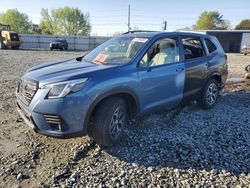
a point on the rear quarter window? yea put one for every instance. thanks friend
(210, 46)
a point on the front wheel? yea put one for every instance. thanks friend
(1, 45)
(209, 94)
(109, 121)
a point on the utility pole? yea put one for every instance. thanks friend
(129, 28)
(164, 26)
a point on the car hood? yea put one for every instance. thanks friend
(63, 70)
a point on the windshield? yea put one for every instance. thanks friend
(14, 37)
(117, 50)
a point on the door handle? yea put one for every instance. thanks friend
(179, 69)
(208, 63)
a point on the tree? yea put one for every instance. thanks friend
(18, 21)
(48, 25)
(65, 21)
(186, 28)
(211, 21)
(225, 24)
(243, 25)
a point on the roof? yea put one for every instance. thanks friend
(150, 34)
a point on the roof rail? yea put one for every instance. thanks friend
(138, 31)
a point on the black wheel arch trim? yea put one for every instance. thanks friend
(113, 92)
(213, 74)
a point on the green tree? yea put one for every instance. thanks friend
(18, 21)
(211, 20)
(243, 25)
(66, 21)
(48, 25)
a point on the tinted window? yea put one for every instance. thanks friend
(161, 52)
(192, 48)
(210, 46)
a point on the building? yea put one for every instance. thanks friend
(231, 40)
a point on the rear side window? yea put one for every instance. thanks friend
(192, 48)
(210, 45)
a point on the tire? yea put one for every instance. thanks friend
(1, 45)
(107, 129)
(16, 47)
(209, 94)
(247, 68)
(51, 49)
(245, 53)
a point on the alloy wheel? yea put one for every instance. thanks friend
(212, 93)
(117, 122)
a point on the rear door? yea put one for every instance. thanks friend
(195, 64)
(161, 75)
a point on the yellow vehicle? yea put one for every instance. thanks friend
(8, 38)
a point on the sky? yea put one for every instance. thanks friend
(110, 16)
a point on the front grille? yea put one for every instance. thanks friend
(27, 89)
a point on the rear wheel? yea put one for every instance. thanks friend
(209, 94)
(109, 121)
(2, 45)
(16, 47)
(245, 53)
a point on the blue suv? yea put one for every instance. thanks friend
(131, 74)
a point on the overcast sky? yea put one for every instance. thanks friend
(109, 16)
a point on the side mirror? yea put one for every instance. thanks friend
(79, 58)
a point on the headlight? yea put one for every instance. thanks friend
(61, 89)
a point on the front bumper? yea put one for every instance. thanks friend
(56, 46)
(68, 114)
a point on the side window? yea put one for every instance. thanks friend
(210, 46)
(192, 48)
(161, 52)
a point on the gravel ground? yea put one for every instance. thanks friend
(186, 147)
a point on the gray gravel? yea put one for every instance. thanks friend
(186, 147)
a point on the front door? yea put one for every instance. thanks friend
(161, 75)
